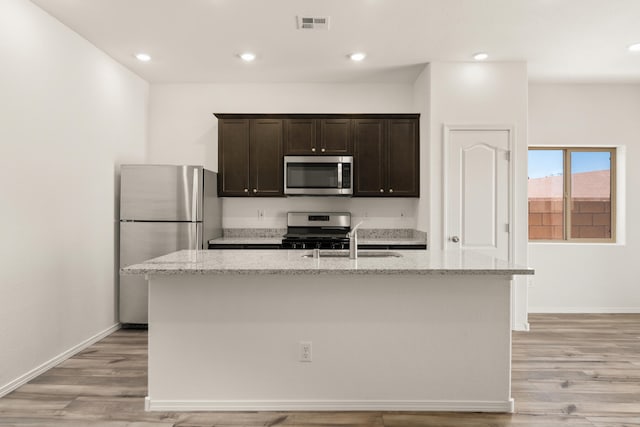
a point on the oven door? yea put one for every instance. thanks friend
(318, 175)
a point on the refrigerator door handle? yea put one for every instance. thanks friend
(194, 196)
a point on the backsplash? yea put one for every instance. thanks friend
(391, 233)
(271, 213)
(363, 233)
(254, 232)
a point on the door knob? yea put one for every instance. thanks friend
(313, 149)
(455, 239)
(322, 150)
(255, 190)
(246, 190)
(382, 190)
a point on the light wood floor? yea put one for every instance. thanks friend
(569, 370)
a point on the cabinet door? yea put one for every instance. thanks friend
(369, 157)
(233, 157)
(335, 136)
(300, 137)
(266, 161)
(403, 177)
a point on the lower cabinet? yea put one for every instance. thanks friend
(361, 246)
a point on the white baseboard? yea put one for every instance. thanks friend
(585, 310)
(23, 379)
(330, 405)
(524, 326)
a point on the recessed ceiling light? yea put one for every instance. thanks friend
(358, 56)
(634, 47)
(248, 56)
(480, 56)
(144, 57)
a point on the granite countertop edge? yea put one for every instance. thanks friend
(331, 262)
(326, 272)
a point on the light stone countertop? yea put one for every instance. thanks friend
(292, 262)
(247, 240)
(383, 241)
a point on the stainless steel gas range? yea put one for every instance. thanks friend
(317, 230)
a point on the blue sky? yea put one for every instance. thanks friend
(549, 162)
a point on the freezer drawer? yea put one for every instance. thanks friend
(140, 241)
(161, 193)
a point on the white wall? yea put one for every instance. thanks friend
(422, 105)
(590, 277)
(68, 115)
(182, 129)
(476, 94)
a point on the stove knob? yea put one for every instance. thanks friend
(318, 245)
(303, 246)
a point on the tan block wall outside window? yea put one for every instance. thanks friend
(590, 219)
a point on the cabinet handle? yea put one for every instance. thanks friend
(313, 149)
(255, 191)
(391, 190)
(246, 190)
(382, 190)
(322, 150)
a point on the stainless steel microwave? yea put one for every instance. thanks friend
(318, 175)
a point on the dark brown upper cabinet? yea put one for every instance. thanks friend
(313, 136)
(385, 149)
(250, 159)
(386, 157)
(369, 157)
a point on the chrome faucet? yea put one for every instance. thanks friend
(353, 241)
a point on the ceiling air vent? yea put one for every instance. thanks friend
(313, 22)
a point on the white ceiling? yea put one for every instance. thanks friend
(199, 40)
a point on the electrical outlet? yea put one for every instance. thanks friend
(305, 351)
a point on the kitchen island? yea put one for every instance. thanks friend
(284, 330)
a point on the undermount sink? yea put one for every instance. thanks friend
(361, 254)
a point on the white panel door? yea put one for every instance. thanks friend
(477, 192)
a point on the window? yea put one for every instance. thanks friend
(572, 194)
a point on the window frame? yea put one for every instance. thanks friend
(566, 202)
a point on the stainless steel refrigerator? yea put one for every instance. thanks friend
(163, 209)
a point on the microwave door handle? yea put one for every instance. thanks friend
(339, 174)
